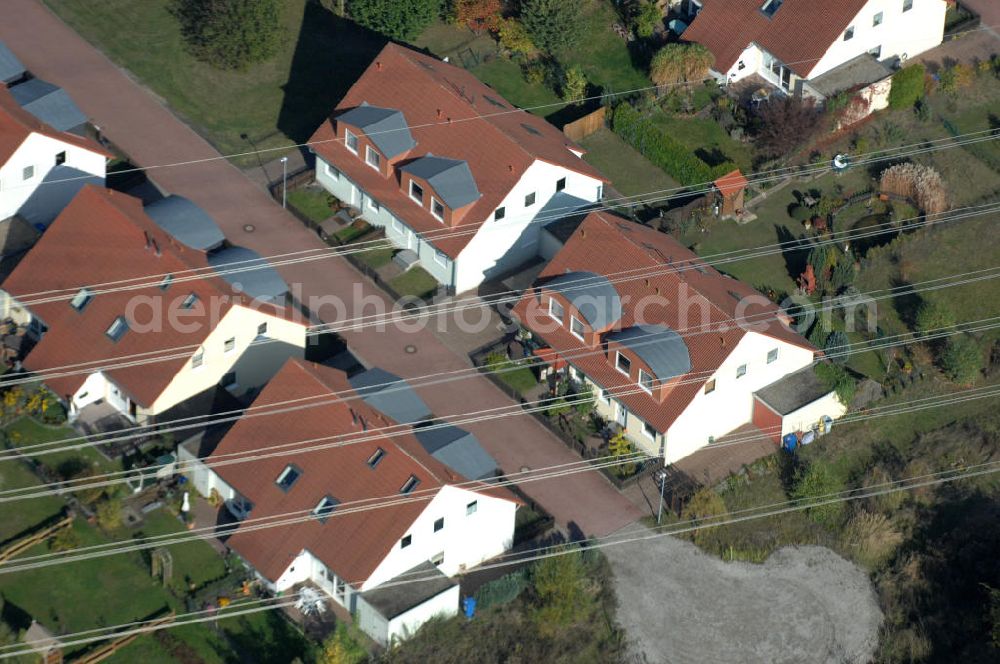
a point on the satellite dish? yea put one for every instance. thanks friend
(841, 162)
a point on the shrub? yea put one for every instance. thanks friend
(533, 72)
(399, 19)
(574, 85)
(662, 149)
(932, 316)
(554, 25)
(343, 646)
(704, 505)
(871, 539)
(907, 86)
(836, 346)
(680, 63)
(785, 123)
(64, 540)
(515, 38)
(816, 484)
(230, 34)
(562, 591)
(838, 379)
(109, 514)
(503, 590)
(962, 359)
(647, 18)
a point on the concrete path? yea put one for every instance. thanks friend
(135, 120)
(679, 605)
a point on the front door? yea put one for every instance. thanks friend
(621, 415)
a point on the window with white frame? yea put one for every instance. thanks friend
(325, 508)
(623, 364)
(499, 213)
(741, 371)
(198, 360)
(849, 33)
(376, 457)
(416, 192)
(576, 327)
(649, 430)
(189, 301)
(472, 508)
(437, 209)
(646, 381)
(439, 524)
(373, 158)
(529, 200)
(288, 477)
(605, 397)
(81, 299)
(262, 329)
(907, 5)
(877, 20)
(117, 329)
(876, 52)
(351, 141)
(406, 541)
(556, 310)
(332, 172)
(409, 485)
(374, 204)
(441, 258)
(438, 560)
(229, 345)
(28, 173)
(772, 355)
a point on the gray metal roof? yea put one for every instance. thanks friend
(11, 68)
(391, 395)
(396, 599)
(49, 103)
(662, 349)
(593, 296)
(255, 276)
(451, 179)
(385, 127)
(61, 185)
(800, 388)
(459, 450)
(860, 71)
(186, 222)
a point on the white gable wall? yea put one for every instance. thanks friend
(39, 151)
(731, 404)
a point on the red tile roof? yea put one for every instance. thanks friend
(731, 183)
(607, 244)
(798, 34)
(454, 115)
(352, 544)
(100, 237)
(17, 124)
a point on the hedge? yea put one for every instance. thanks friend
(662, 149)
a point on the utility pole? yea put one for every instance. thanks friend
(662, 475)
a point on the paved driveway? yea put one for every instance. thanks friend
(681, 606)
(133, 119)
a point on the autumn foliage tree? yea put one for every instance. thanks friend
(479, 15)
(680, 63)
(784, 123)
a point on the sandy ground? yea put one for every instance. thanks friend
(805, 604)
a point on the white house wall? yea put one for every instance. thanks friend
(811, 414)
(731, 404)
(465, 540)
(912, 32)
(39, 151)
(95, 388)
(751, 60)
(254, 366)
(406, 624)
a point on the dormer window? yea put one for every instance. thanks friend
(416, 192)
(576, 327)
(117, 329)
(325, 508)
(646, 381)
(623, 364)
(437, 209)
(350, 141)
(373, 158)
(376, 457)
(288, 477)
(410, 484)
(81, 299)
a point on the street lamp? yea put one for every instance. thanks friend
(284, 181)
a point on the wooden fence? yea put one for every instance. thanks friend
(102, 652)
(34, 538)
(585, 126)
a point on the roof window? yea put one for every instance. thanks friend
(410, 484)
(288, 477)
(117, 329)
(770, 7)
(81, 299)
(325, 508)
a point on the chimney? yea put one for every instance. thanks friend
(722, 340)
(510, 167)
(440, 114)
(378, 65)
(583, 233)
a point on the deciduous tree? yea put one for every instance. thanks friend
(479, 15)
(399, 19)
(785, 123)
(554, 25)
(230, 34)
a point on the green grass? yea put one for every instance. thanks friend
(630, 172)
(416, 282)
(706, 138)
(603, 55)
(25, 514)
(522, 380)
(505, 77)
(276, 103)
(313, 202)
(195, 562)
(377, 257)
(28, 431)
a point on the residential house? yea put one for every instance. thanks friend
(380, 512)
(131, 311)
(673, 350)
(41, 167)
(452, 171)
(797, 45)
(11, 68)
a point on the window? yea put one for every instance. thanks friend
(229, 344)
(437, 209)
(605, 397)
(576, 327)
(376, 457)
(406, 541)
(438, 560)
(61, 156)
(189, 301)
(325, 508)
(849, 33)
(876, 52)
(441, 258)
(772, 355)
(710, 386)
(556, 310)
(351, 141)
(373, 158)
(198, 360)
(623, 364)
(560, 184)
(877, 20)
(410, 484)
(907, 5)
(439, 524)
(472, 508)
(770, 7)
(332, 172)
(117, 329)
(28, 173)
(228, 379)
(416, 192)
(529, 200)
(397, 225)
(167, 280)
(374, 204)
(646, 381)
(649, 431)
(499, 214)
(81, 299)
(288, 477)
(262, 329)
(741, 371)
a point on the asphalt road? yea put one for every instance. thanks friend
(137, 121)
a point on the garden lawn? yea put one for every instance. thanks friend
(707, 139)
(27, 431)
(602, 54)
(505, 77)
(16, 518)
(522, 379)
(277, 102)
(376, 257)
(313, 202)
(630, 172)
(416, 282)
(195, 562)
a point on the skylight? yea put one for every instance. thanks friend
(770, 7)
(531, 130)
(410, 485)
(189, 301)
(117, 329)
(167, 280)
(495, 102)
(325, 508)
(376, 457)
(288, 477)
(81, 299)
